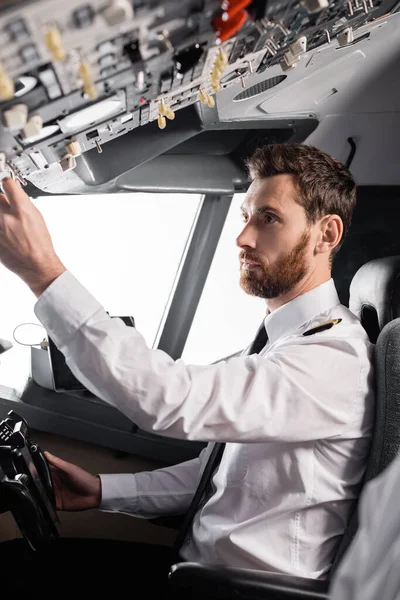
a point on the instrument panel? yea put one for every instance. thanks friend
(76, 75)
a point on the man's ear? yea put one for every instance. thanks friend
(330, 234)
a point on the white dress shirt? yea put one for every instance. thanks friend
(297, 417)
(370, 569)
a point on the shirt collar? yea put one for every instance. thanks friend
(300, 310)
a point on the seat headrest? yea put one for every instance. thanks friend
(375, 294)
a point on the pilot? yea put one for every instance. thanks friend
(291, 416)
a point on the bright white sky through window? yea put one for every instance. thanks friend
(125, 248)
(227, 319)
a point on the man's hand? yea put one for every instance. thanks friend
(75, 489)
(25, 243)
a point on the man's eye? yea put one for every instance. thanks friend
(270, 218)
(244, 218)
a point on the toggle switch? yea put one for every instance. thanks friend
(33, 126)
(7, 88)
(162, 121)
(16, 117)
(206, 98)
(88, 84)
(165, 110)
(73, 148)
(53, 41)
(67, 163)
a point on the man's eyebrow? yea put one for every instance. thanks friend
(263, 209)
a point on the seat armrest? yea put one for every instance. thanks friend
(228, 582)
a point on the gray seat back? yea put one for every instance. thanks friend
(377, 308)
(375, 294)
(386, 439)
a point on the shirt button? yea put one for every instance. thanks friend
(187, 542)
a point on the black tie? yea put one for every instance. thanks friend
(213, 462)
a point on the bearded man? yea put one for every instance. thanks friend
(288, 421)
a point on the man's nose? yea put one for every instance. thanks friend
(247, 237)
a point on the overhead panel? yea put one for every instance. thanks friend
(77, 76)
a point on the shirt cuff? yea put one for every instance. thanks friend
(64, 307)
(118, 493)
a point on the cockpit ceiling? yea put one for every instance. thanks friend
(77, 77)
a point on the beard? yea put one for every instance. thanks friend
(274, 280)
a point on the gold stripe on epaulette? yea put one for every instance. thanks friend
(322, 326)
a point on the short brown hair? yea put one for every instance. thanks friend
(325, 185)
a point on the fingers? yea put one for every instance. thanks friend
(56, 487)
(4, 203)
(14, 193)
(57, 462)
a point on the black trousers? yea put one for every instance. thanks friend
(73, 567)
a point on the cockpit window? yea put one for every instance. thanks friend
(125, 248)
(226, 315)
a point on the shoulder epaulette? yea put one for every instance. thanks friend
(322, 326)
